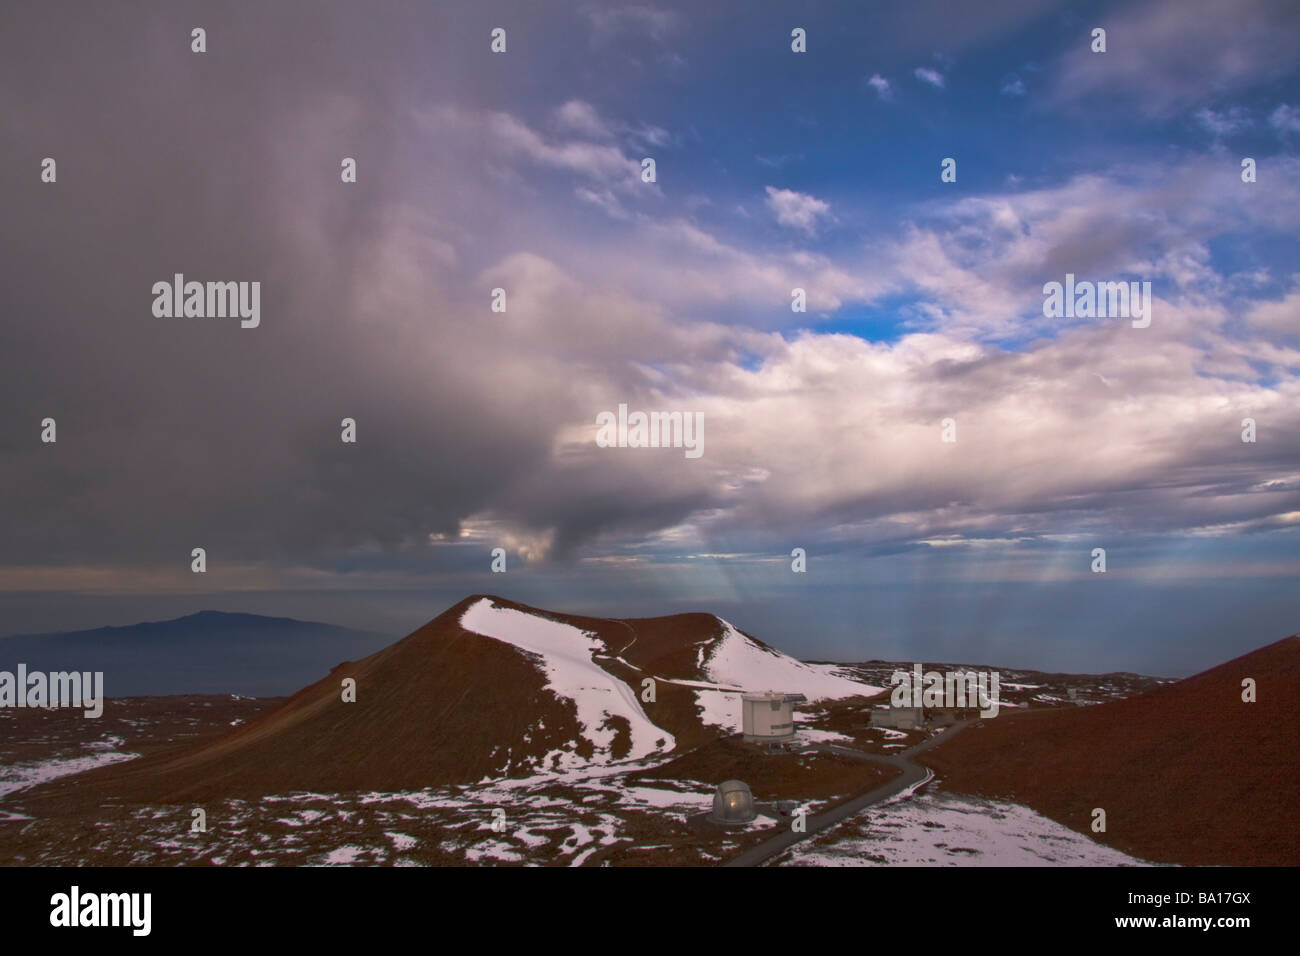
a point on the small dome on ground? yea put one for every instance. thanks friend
(733, 803)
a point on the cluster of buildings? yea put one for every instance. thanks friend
(768, 718)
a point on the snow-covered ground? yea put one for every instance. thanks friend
(566, 658)
(554, 817)
(937, 829)
(546, 821)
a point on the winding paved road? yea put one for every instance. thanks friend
(913, 774)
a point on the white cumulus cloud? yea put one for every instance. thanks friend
(797, 210)
(927, 75)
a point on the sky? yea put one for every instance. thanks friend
(774, 170)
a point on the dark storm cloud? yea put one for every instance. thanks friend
(223, 166)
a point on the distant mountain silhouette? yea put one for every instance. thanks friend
(211, 652)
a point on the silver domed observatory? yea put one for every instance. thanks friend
(733, 804)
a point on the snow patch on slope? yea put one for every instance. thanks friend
(738, 662)
(566, 659)
(22, 776)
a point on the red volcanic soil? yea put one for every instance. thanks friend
(1187, 773)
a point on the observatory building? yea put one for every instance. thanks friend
(897, 718)
(733, 804)
(768, 718)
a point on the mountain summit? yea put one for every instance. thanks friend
(492, 688)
